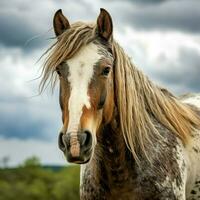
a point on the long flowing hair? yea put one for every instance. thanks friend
(138, 99)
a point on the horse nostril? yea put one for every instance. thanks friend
(86, 138)
(61, 142)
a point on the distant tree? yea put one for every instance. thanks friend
(32, 162)
(5, 160)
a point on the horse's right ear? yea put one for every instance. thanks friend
(60, 23)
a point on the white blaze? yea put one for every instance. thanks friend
(81, 69)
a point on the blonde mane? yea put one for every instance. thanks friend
(138, 99)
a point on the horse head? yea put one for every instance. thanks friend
(86, 87)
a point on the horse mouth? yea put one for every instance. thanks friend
(81, 162)
(78, 160)
(83, 159)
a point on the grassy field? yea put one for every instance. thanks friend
(31, 181)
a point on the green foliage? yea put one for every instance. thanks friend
(33, 182)
(31, 162)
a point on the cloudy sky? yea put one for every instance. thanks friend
(161, 36)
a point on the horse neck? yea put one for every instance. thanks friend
(112, 147)
(113, 162)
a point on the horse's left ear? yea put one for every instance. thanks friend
(104, 25)
(60, 23)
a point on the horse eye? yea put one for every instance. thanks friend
(106, 71)
(58, 72)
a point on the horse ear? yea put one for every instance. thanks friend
(60, 23)
(104, 24)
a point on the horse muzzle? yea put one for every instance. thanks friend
(77, 146)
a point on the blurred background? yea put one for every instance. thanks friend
(161, 36)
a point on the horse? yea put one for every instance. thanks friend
(134, 140)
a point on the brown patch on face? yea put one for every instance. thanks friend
(90, 119)
(64, 98)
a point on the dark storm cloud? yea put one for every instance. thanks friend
(146, 1)
(15, 31)
(23, 118)
(13, 126)
(181, 15)
(21, 21)
(28, 25)
(170, 16)
(18, 26)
